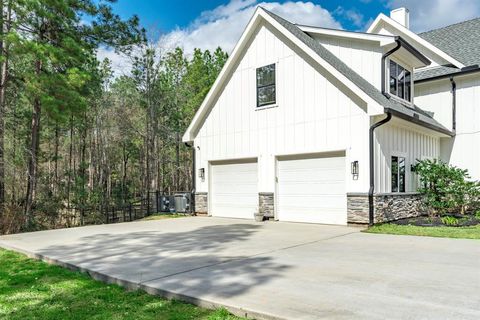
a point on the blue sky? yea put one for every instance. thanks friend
(166, 15)
(208, 24)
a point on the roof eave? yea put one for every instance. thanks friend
(420, 122)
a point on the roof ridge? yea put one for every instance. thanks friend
(450, 25)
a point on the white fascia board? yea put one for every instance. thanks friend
(374, 108)
(408, 33)
(384, 40)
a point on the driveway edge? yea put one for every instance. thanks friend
(129, 285)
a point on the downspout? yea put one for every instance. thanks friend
(371, 135)
(192, 200)
(384, 57)
(454, 104)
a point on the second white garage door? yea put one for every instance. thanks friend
(234, 189)
(312, 189)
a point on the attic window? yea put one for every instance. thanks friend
(266, 94)
(400, 81)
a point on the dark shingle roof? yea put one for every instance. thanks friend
(416, 114)
(434, 72)
(460, 40)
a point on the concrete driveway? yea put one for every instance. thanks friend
(274, 270)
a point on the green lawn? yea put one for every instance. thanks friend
(444, 232)
(31, 289)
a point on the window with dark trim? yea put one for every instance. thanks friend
(400, 81)
(266, 94)
(398, 174)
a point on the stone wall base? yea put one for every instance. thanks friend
(201, 202)
(266, 204)
(387, 207)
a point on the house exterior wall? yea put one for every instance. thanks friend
(463, 150)
(364, 57)
(400, 138)
(436, 97)
(312, 115)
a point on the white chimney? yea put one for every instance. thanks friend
(402, 16)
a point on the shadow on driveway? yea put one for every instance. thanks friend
(143, 257)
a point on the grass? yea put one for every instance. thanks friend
(443, 232)
(31, 289)
(161, 216)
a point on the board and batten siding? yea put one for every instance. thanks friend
(312, 115)
(364, 57)
(462, 151)
(401, 139)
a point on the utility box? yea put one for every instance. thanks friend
(167, 203)
(182, 202)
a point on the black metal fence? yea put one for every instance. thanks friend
(156, 202)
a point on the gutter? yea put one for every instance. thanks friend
(384, 57)
(463, 71)
(371, 135)
(454, 104)
(192, 200)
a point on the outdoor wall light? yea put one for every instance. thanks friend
(354, 169)
(201, 173)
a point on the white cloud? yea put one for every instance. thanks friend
(431, 14)
(223, 26)
(352, 15)
(121, 65)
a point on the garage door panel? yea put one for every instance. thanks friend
(234, 190)
(312, 190)
(297, 188)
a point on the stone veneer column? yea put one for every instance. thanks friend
(266, 204)
(201, 202)
(387, 207)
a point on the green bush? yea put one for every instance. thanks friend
(447, 189)
(450, 221)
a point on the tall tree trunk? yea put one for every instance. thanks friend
(33, 150)
(4, 29)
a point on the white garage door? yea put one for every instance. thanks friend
(234, 190)
(312, 190)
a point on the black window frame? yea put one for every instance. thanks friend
(398, 174)
(269, 85)
(395, 77)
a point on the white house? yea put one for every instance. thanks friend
(299, 115)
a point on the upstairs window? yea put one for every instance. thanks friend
(400, 81)
(266, 94)
(398, 174)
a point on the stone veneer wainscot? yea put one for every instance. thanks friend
(387, 207)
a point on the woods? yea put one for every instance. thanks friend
(74, 136)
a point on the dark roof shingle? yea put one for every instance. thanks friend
(460, 40)
(416, 113)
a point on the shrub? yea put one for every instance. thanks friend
(446, 188)
(450, 221)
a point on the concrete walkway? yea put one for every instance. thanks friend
(274, 270)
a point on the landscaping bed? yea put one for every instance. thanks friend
(445, 221)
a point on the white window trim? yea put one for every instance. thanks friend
(387, 80)
(271, 105)
(407, 171)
